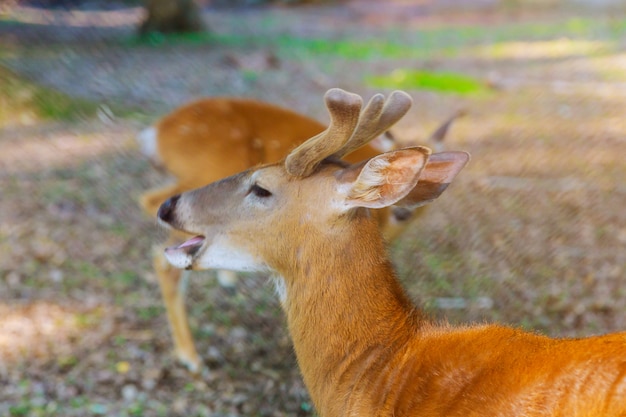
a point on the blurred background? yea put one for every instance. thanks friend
(532, 233)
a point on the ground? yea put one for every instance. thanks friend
(532, 234)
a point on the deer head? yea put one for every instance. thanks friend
(252, 221)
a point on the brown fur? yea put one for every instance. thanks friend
(213, 138)
(366, 351)
(363, 348)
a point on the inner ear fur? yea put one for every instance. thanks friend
(386, 178)
(438, 173)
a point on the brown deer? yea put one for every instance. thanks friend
(213, 138)
(362, 347)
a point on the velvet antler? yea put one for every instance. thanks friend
(347, 131)
(344, 108)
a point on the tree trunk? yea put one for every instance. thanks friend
(172, 16)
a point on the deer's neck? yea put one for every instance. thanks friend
(346, 311)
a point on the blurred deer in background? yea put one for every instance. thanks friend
(213, 138)
(363, 348)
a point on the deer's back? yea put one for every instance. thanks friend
(498, 371)
(214, 138)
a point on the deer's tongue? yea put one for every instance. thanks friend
(194, 241)
(181, 256)
(188, 247)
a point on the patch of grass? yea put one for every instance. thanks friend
(444, 82)
(137, 409)
(89, 319)
(358, 50)
(421, 44)
(120, 229)
(119, 340)
(78, 402)
(23, 101)
(449, 41)
(126, 278)
(85, 269)
(51, 104)
(67, 362)
(22, 409)
(57, 193)
(150, 312)
(156, 39)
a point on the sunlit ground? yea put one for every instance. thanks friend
(43, 330)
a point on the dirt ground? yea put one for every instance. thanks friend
(532, 234)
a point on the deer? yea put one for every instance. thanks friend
(212, 138)
(363, 348)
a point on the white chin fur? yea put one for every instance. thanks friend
(178, 258)
(222, 255)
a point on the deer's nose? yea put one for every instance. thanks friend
(166, 211)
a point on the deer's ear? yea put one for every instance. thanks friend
(438, 173)
(386, 178)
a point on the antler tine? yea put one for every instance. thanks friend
(344, 109)
(377, 117)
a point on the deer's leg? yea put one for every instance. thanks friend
(172, 282)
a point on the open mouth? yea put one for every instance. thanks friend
(181, 256)
(189, 247)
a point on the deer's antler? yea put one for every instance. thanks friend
(378, 116)
(344, 108)
(347, 131)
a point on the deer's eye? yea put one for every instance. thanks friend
(260, 191)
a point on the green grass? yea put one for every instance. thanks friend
(24, 102)
(444, 82)
(21, 100)
(420, 44)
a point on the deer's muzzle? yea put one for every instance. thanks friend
(180, 256)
